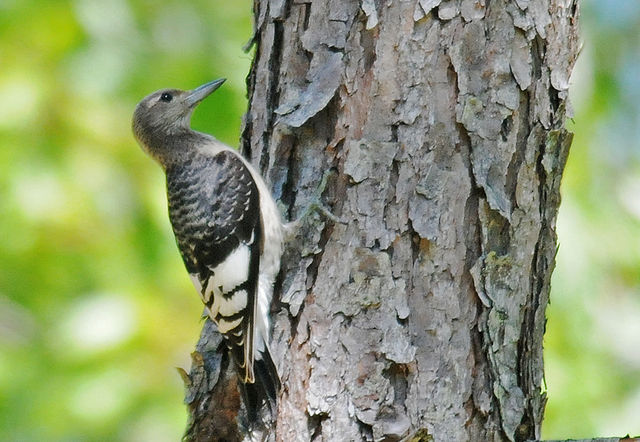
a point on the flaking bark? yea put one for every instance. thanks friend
(443, 122)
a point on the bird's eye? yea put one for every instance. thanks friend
(166, 97)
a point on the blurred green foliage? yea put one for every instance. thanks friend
(592, 344)
(95, 306)
(96, 309)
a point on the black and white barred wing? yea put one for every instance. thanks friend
(215, 215)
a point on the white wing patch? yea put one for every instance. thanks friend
(233, 271)
(226, 276)
(232, 306)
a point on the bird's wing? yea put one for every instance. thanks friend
(215, 215)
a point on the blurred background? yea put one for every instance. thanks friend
(95, 306)
(592, 344)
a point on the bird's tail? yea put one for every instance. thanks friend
(265, 387)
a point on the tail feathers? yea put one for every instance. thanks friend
(264, 389)
(267, 374)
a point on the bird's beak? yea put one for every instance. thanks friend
(202, 92)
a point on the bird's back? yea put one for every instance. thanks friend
(214, 211)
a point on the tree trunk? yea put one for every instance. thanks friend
(443, 124)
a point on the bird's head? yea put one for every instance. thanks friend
(166, 113)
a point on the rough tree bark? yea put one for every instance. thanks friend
(423, 315)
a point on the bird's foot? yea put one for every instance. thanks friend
(316, 205)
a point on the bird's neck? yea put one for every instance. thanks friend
(172, 149)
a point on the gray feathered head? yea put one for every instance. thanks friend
(166, 113)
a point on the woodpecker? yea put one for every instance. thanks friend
(227, 227)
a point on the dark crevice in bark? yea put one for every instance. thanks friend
(332, 200)
(480, 340)
(498, 233)
(337, 188)
(574, 9)
(393, 179)
(524, 129)
(526, 429)
(247, 130)
(289, 191)
(335, 49)
(403, 322)
(287, 9)
(390, 197)
(245, 138)
(505, 128)
(470, 408)
(308, 55)
(366, 430)
(328, 117)
(452, 76)
(368, 43)
(473, 239)
(555, 101)
(473, 232)
(314, 425)
(394, 133)
(307, 15)
(479, 348)
(539, 271)
(415, 242)
(537, 56)
(276, 304)
(312, 270)
(273, 94)
(294, 321)
(541, 174)
(472, 219)
(463, 136)
(397, 375)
